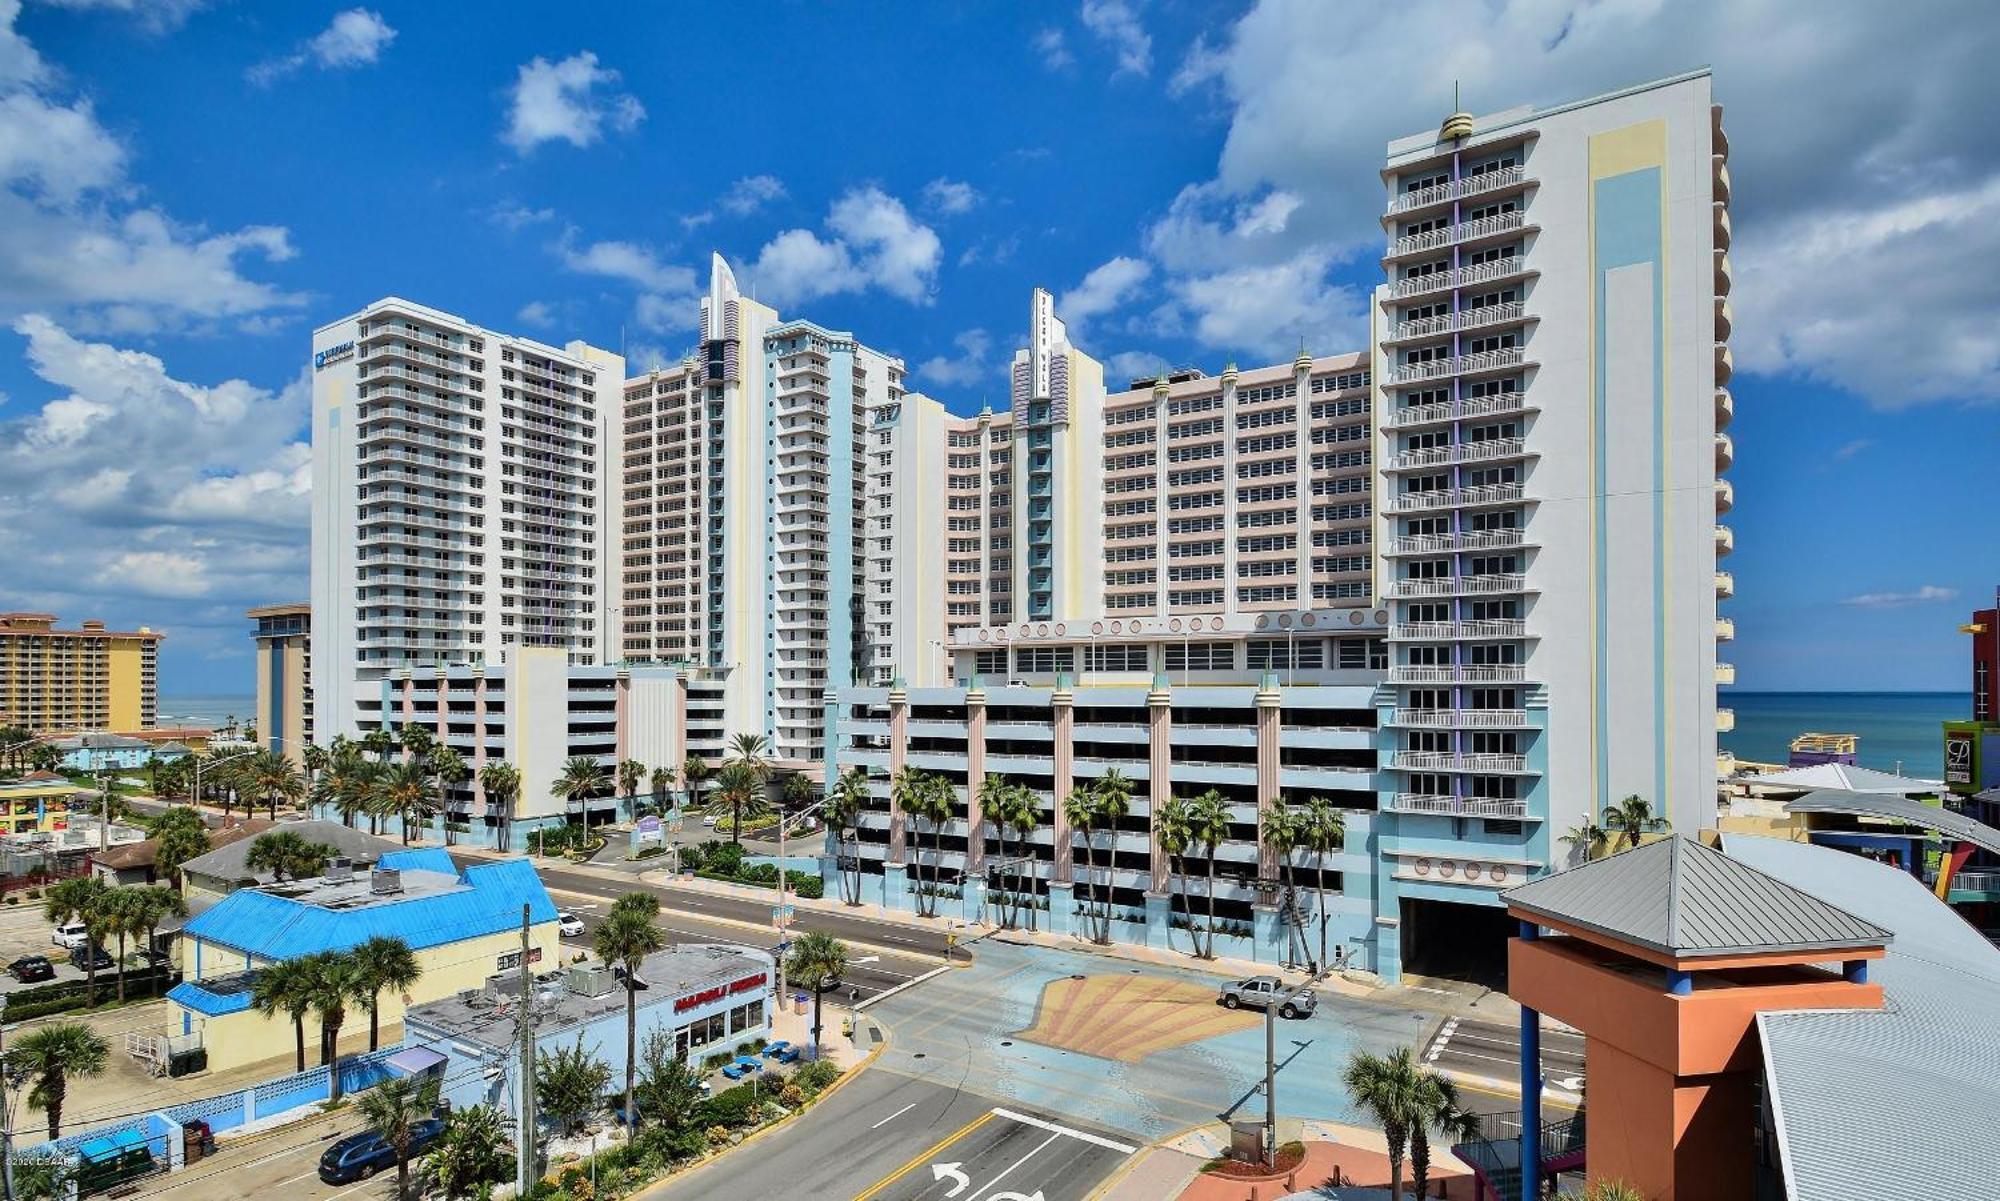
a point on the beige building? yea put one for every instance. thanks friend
(284, 716)
(56, 681)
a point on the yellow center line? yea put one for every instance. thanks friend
(927, 1155)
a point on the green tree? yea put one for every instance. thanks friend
(410, 793)
(336, 980)
(661, 782)
(739, 792)
(934, 802)
(1282, 833)
(582, 779)
(274, 777)
(379, 742)
(1079, 809)
(844, 807)
(450, 769)
(286, 854)
(630, 774)
(286, 987)
(1388, 1088)
(392, 1111)
(1630, 818)
(669, 1090)
(473, 1152)
(1606, 1190)
(157, 903)
(1208, 825)
(817, 961)
(386, 963)
(53, 1056)
(1322, 832)
(315, 758)
(748, 750)
(502, 783)
(77, 900)
(419, 741)
(570, 1084)
(799, 791)
(1438, 1108)
(1586, 840)
(178, 835)
(119, 915)
(1111, 796)
(694, 773)
(626, 937)
(1176, 833)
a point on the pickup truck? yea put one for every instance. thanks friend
(1263, 992)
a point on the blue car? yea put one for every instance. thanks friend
(359, 1156)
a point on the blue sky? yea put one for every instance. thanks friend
(187, 187)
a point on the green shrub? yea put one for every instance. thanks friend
(724, 857)
(648, 852)
(731, 1107)
(816, 1076)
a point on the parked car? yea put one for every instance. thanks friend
(70, 935)
(30, 968)
(156, 959)
(359, 1156)
(569, 923)
(1262, 992)
(91, 956)
(709, 820)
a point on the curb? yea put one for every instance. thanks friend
(912, 982)
(1133, 1161)
(739, 923)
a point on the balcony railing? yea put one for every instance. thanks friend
(1478, 273)
(1444, 498)
(1456, 189)
(1446, 761)
(1433, 631)
(1463, 673)
(1465, 585)
(1480, 451)
(1457, 806)
(1484, 315)
(1463, 719)
(1435, 544)
(1450, 235)
(1485, 360)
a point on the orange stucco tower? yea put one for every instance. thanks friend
(1663, 956)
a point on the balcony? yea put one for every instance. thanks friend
(1457, 189)
(1480, 318)
(1463, 673)
(1725, 496)
(1725, 584)
(1725, 720)
(1445, 631)
(1724, 277)
(1446, 411)
(1725, 629)
(1721, 225)
(1721, 177)
(1462, 719)
(1725, 540)
(1462, 277)
(1725, 673)
(1439, 544)
(1725, 319)
(1483, 451)
(1456, 806)
(1449, 498)
(1725, 363)
(1486, 360)
(1453, 235)
(1499, 583)
(1447, 761)
(1725, 408)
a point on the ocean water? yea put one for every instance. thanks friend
(1896, 729)
(194, 709)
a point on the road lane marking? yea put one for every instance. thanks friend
(927, 1155)
(1009, 1169)
(892, 1117)
(1094, 1139)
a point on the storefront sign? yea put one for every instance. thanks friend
(1961, 758)
(332, 354)
(708, 995)
(647, 829)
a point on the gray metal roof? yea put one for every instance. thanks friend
(1911, 813)
(227, 862)
(1843, 777)
(1686, 899)
(1896, 1102)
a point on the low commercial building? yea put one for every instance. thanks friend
(284, 714)
(134, 862)
(100, 751)
(208, 878)
(90, 678)
(463, 924)
(37, 803)
(706, 997)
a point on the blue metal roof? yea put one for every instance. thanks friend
(270, 927)
(419, 859)
(192, 995)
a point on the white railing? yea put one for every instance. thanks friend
(1461, 277)
(1453, 189)
(1465, 231)
(1464, 673)
(1468, 719)
(1477, 406)
(1454, 806)
(1425, 631)
(1460, 452)
(1431, 544)
(1485, 360)
(1488, 314)
(1447, 761)
(1467, 585)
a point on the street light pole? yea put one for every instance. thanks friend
(1271, 1083)
(783, 919)
(524, 1142)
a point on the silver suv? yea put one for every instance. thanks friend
(1262, 992)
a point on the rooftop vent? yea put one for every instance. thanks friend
(591, 980)
(340, 868)
(385, 881)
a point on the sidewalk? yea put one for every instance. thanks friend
(1352, 1156)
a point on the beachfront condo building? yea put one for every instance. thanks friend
(1460, 585)
(461, 493)
(283, 717)
(55, 681)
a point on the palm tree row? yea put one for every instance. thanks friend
(107, 913)
(930, 798)
(1621, 827)
(1100, 804)
(328, 983)
(1010, 808)
(1410, 1103)
(1318, 829)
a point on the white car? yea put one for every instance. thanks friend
(710, 820)
(569, 923)
(70, 936)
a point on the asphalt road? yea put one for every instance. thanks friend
(892, 1137)
(1492, 1050)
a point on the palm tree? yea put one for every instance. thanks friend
(662, 781)
(1080, 811)
(626, 937)
(630, 774)
(1208, 824)
(1282, 833)
(1629, 819)
(1112, 797)
(844, 806)
(1606, 1190)
(695, 772)
(748, 750)
(336, 980)
(1176, 836)
(418, 741)
(392, 1111)
(1323, 831)
(994, 795)
(157, 903)
(474, 1150)
(937, 803)
(1585, 840)
(1389, 1088)
(1438, 1108)
(409, 793)
(386, 962)
(739, 791)
(118, 916)
(502, 782)
(817, 962)
(379, 742)
(451, 771)
(582, 779)
(1025, 816)
(272, 776)
(153, 765)
(315, 757)
(178, 836)
(286, 987)
(286, 853)
(54, 1055)
(77, 900)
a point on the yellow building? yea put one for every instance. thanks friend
(55, 681)
(284, 714)
(36, 803)
(463, 925)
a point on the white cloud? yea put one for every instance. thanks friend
(1128, 365)
(572, 101)
(1927, 594)
(536, 313)
(71, 240)
(751, 193)
(355, 38)
(1266, 310)
(971, 364)
(1053, 46)
(950, 196)
(154, 16)
(1107, 287)
(127, 491)
(874, 243)
(1118, 27)
(516, 217)
(1851, 135)
(668, 291)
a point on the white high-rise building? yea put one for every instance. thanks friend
(461, 501)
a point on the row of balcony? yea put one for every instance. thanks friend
(1438, 544)
(1458, 673)
(1495, 583)
(1459, 806)
(1453, 235)
(1461, 719)
(1465, 319)
(1459, 277)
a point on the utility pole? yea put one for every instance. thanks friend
(6, 1117)
(1271, 1083)
(104, 813)
(524, 1141)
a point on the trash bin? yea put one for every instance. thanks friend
(196, 1141)
(798, 1002)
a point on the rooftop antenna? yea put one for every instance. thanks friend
(1459, 124)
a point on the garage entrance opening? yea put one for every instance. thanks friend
(1457, 942)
